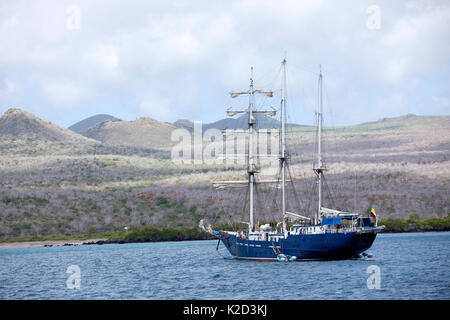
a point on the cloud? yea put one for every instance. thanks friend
(105, 57)
(10, 86)
(415, 44)
(439, 104)
(62, 94)
(180, 59)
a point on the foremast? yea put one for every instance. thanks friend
(251, 171)
(250, 156)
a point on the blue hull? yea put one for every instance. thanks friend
(327, 246)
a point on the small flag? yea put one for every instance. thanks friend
(373, 215)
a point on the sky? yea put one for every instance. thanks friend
(67, 60)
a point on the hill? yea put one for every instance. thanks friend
(409, 121)
(399, 166)
(16, 124)
(143, 132)
(262, 122)
(90, 122)
(185, 124)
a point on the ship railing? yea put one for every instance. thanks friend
(340, 230)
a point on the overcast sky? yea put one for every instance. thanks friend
(169, 60)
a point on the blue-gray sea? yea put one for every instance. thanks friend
(402, 266)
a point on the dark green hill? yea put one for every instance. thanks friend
(262, 122)
(90, 122)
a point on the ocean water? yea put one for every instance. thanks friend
(402, 266)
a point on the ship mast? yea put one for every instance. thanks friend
(283, 146)
(319, 169)
(250, 156)
(251, 168)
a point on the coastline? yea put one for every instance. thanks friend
(66, 243)
(101, 241)
(415, 231)
(49, 243)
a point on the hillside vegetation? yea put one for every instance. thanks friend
(16, 124)
(58, 184)
(143, 132)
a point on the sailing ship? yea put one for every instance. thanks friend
(330, 235)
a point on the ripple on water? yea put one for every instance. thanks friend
(412, 266)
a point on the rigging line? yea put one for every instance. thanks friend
(223, 209)
(293, 185)
(303, 69)
(316, 138)
(274, 70)
(316, 143)
(263, 101)
(260, 85)
(289, 111)
(223, 248)
(292, 115)
(258, 204)
(333, 131)
(275, 195)
(258, 79)
(214, 219)
(335, 69)
(269, 201)
(312, 191)
(259, 102)
(255, 206)
(354, 196)
(228, 215)
(262, 205)
(291, 105)
(290, 101)
(245, 203)
(331, 128)
(275, 205)
(330, 196)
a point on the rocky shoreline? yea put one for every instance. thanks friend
(67, 243)
(49, 243)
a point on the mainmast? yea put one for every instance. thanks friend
(251, 168)
(283, 146)
(319, 169)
